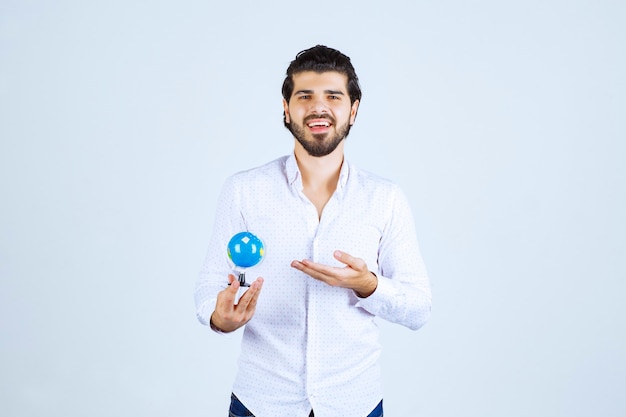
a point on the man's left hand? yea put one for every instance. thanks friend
(354, 275)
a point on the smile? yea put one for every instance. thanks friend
(319, 123)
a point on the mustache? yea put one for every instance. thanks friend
(319, 116)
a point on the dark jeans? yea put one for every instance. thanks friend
(237, 409)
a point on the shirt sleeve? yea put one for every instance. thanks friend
(403, 294)
(213, 276)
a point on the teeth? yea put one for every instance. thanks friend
(314, 124)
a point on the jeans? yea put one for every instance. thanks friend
(237, 409)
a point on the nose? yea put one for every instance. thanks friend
(318, 105)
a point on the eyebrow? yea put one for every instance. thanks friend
(335, 92)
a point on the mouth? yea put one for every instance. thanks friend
(319, 125)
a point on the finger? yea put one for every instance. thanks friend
(354, 263)
(227, 296)
(306, 266)
(248, 299)
(320, 272)
(258, 284)
(325, 271)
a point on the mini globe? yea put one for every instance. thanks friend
(245, 250)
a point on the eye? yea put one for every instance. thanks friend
(333, 97)
(304, 97)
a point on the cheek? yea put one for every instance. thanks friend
(296, 114)
(347, 115)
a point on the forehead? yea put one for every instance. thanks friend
(316, 81)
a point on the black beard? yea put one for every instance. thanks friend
(321, 145)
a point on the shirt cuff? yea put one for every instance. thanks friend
(379, 300)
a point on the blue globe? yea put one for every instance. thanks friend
(245, 249)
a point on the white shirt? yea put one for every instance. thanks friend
(310, 345)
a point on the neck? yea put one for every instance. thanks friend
(319, 172)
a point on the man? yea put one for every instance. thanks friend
(340, 251)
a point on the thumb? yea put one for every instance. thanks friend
(349, 260)
(233, 287)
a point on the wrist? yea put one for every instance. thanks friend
(214, 327)
(369, 287)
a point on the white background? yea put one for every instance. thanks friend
(503, 121)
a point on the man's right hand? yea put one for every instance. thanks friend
(229, 316)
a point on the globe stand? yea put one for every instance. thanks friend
(242, 280)
(241, 277)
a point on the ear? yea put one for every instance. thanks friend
(353, 111)
(286, 108)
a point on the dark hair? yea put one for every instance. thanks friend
(320, 59)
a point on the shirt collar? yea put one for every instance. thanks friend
(291, 169)
(295, 178)
(343, 175)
